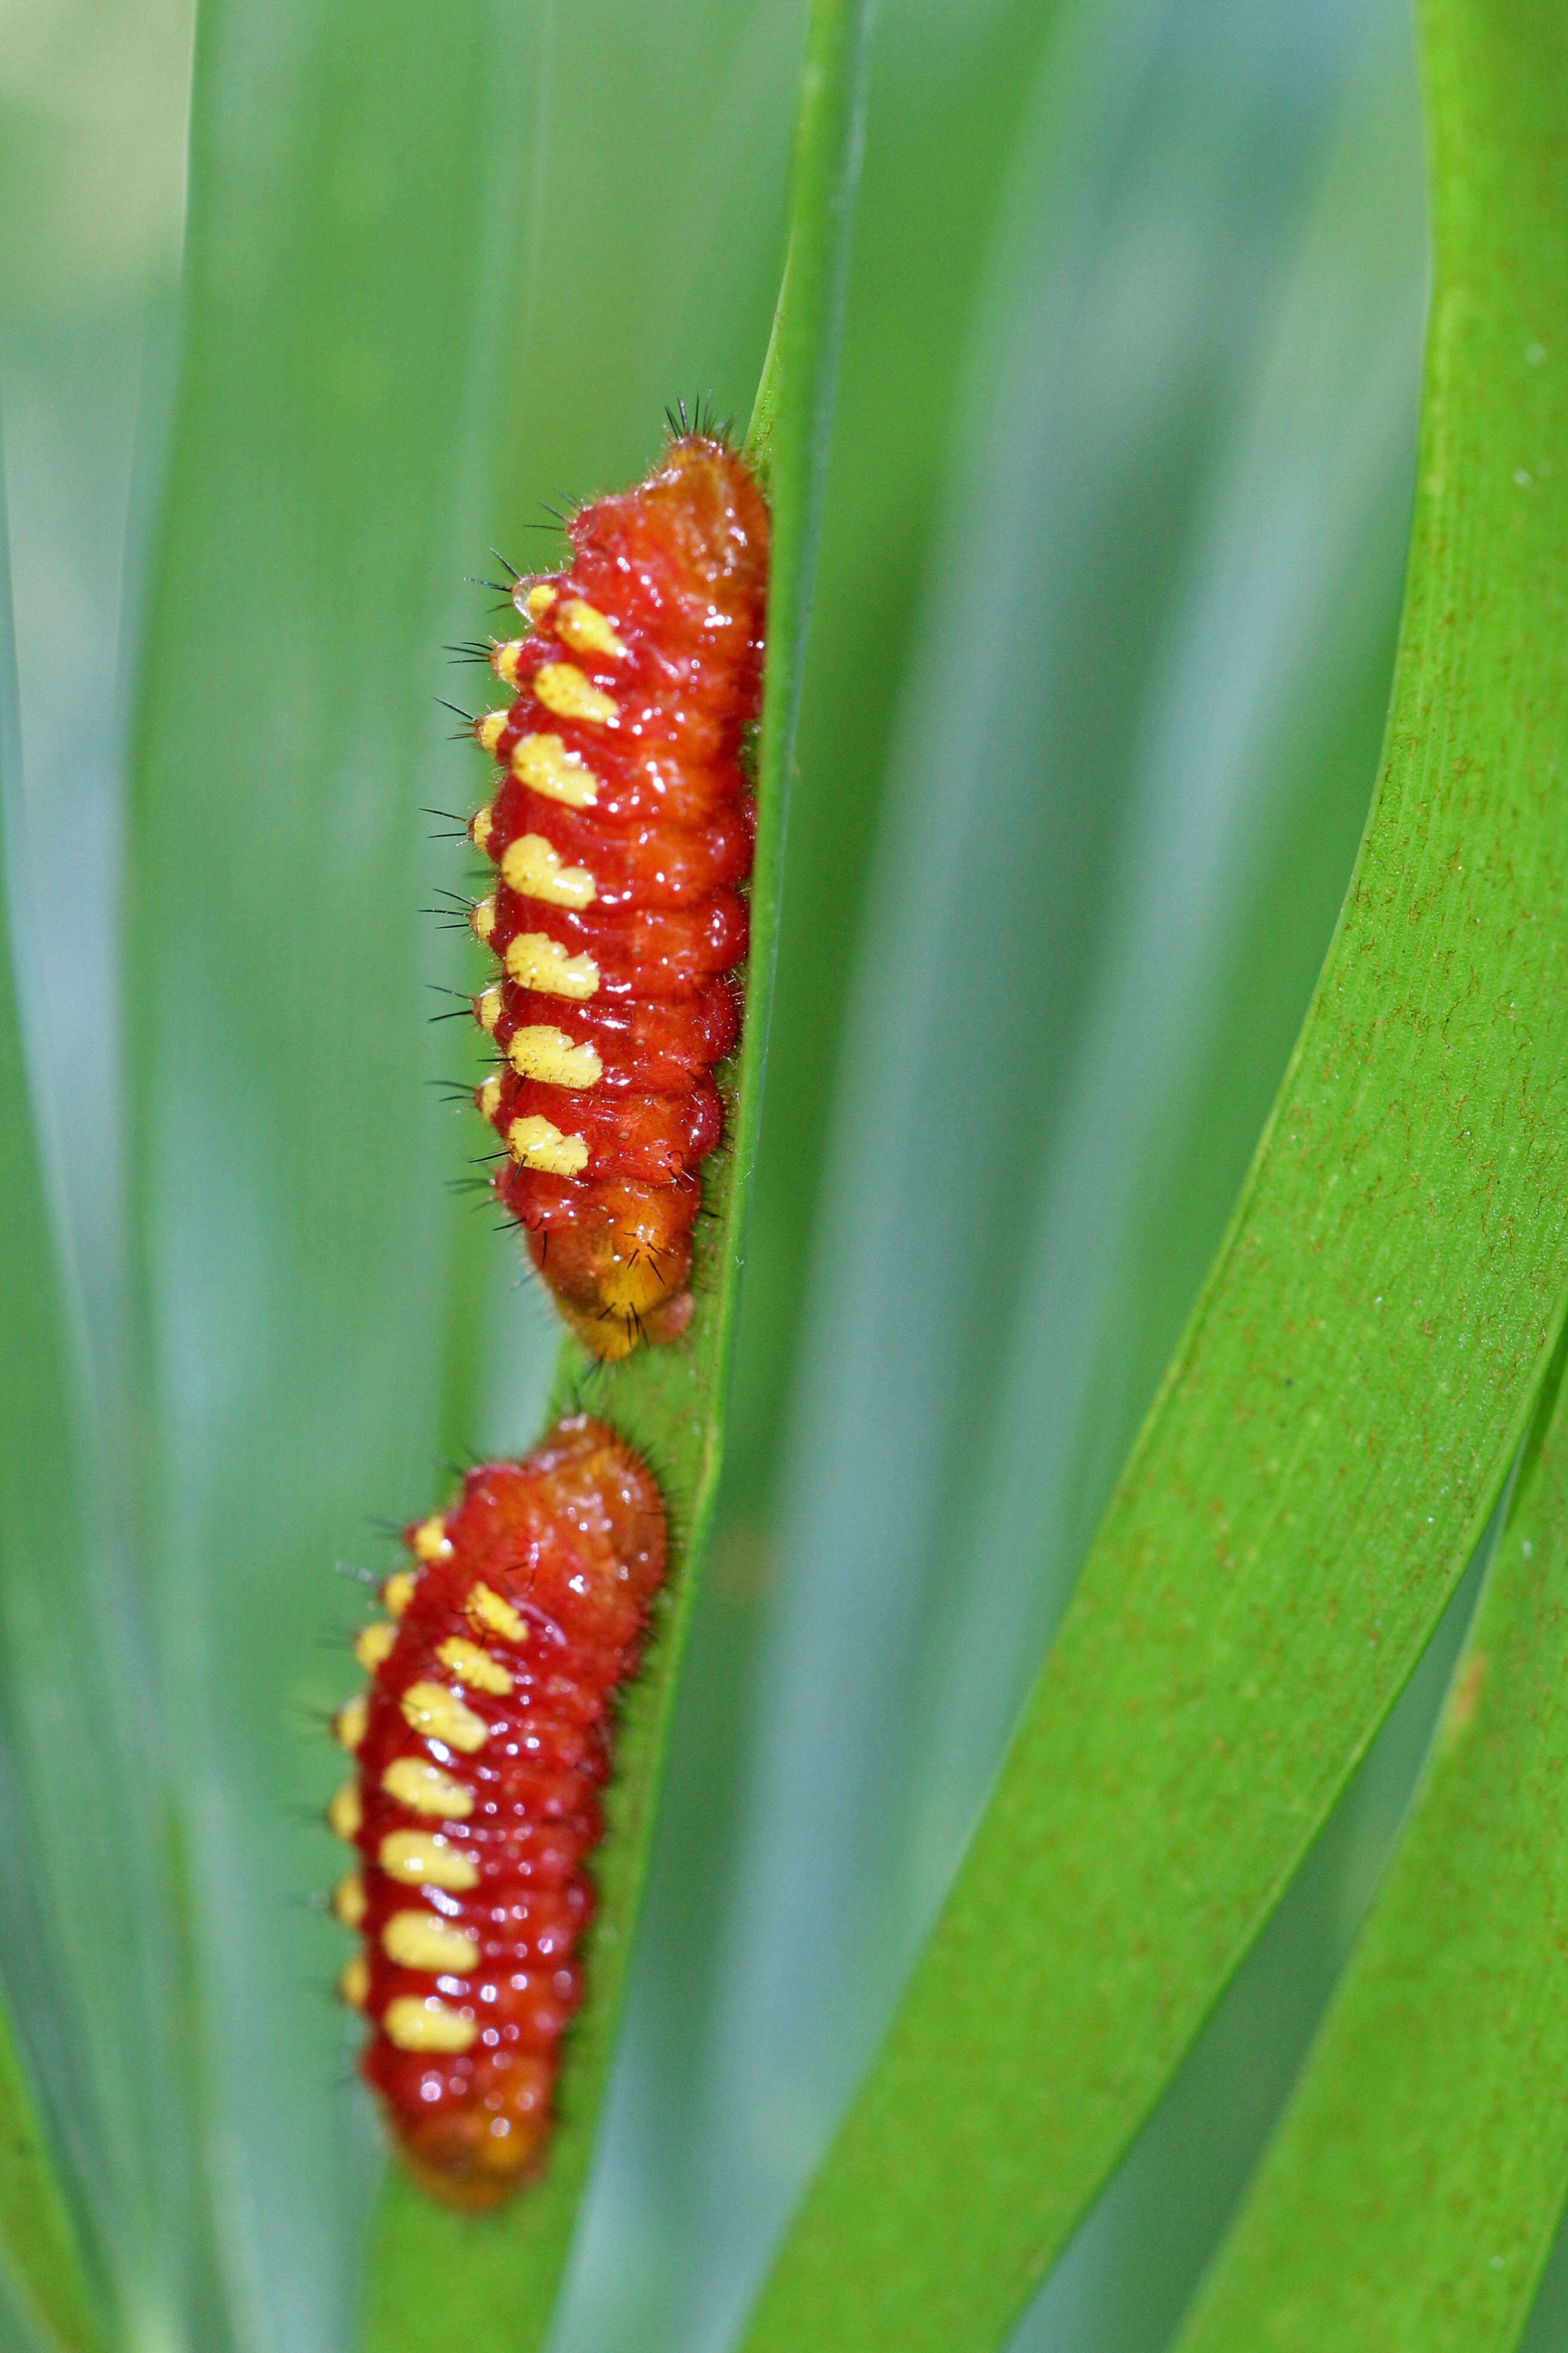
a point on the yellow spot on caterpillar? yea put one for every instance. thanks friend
(439, 1715)
(586, 631)
(426, 2025)
(536, 961)
(489, 1097)
(483, 918)
(424, 1859)
(481, 825)
(535, 868)
(539, 600)
(398, 1592)
(373, 1644)
(348, 1725)
(354, 1982)
(498, 1617)
(561, 688)
(344, 1813)
(488, 730)
(424, 1788)
(430, 1540)
(475, 1667)
(539, 1143)
(548, 768)
(418, 1940)
(507, 660)
(487, 1009)
(348, 1899)
(541, 1052)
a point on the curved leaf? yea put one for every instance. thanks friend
(1410, 2198)
(1339, 1420)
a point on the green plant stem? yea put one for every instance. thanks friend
(1338, 1418)
(440, 2281)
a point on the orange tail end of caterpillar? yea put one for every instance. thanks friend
(616, 1255)
(621, 831)
(479, 1746)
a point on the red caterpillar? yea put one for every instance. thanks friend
(479, 1745)
(622, 832)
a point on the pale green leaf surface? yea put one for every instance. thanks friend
(441, 2279)
(355, 237)
(38, 1522)
(1328, 1445)
(79, 2187)
(1411, 2197)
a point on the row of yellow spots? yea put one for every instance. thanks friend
(531, 865)
(534, 869)
(419, 1939)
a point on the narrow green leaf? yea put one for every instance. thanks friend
(438, 2279)
(1411, 2197)
(1338, 1418)
(44, 1559)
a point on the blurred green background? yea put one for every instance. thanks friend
(1101, 646)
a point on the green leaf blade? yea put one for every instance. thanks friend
(1410, 2197)
(1327, 1447)
(354, 249)
(669, 1403)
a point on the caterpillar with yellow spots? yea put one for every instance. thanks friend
(478, 1745)
(622, 835)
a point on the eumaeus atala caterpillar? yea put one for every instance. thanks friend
(622, 831)
(478, 1745)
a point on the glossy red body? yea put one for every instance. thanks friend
(650, 1044)
(570, 1542)
(658, 863)
(651, 840)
